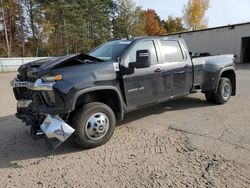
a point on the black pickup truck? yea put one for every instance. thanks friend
(85, 94)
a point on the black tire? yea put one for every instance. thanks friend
(81, 122)
(218, 96)
(210, 97)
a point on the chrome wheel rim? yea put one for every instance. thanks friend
(97, 126)
(226, 90)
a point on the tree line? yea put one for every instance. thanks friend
(52, 28)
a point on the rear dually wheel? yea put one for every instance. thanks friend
(223, 93)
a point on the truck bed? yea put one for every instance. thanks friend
(204, 66)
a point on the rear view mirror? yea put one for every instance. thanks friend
(143, 59)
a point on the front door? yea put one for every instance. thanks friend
(145, 85)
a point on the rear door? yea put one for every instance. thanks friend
(179, 70)
(145, 85)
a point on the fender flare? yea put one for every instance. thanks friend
(221, 72)
(100, 88)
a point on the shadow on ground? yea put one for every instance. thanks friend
(174, 105)
(17, 145)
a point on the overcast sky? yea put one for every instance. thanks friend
(221, 12)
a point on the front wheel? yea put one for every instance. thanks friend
(224, 91)
(94, 123)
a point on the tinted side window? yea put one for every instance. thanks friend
(144, 45)
(172, 51)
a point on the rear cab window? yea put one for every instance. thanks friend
(171, 51)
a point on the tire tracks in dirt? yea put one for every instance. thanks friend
(134, 157)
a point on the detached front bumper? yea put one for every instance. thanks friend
(57, 130)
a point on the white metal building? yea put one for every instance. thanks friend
(12, 64)
(230, 39)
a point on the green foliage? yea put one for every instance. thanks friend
(127, 19)
(34, 24)
(174, 25)
(78, 26)
(51, 28)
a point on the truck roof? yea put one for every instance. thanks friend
(149, 37)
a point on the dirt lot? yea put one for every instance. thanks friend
(184, 143)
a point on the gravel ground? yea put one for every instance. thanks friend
(183, 143)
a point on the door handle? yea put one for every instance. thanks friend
(159, 70)
(181, 72)
(186, 66)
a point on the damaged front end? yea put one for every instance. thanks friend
(44, 91)
(33, 95)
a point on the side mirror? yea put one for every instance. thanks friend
(143, 60)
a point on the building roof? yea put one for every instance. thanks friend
(212, 28)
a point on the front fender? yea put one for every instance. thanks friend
(99, 88)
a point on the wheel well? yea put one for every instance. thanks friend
(230, 74)
(108, 97)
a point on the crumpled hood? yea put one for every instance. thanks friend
(40, 67)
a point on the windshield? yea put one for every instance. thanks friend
(110, 50)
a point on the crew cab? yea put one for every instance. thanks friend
(83, 95)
